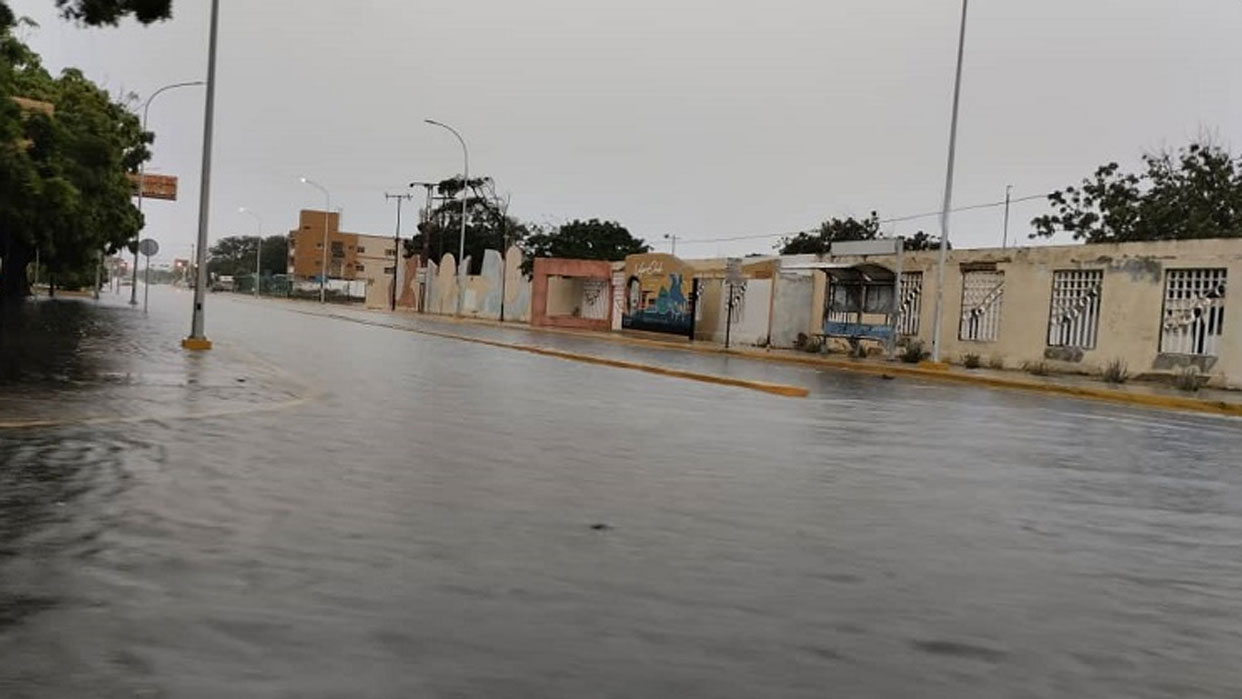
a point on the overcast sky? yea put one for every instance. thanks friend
(706, 119)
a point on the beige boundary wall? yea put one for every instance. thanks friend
(1129, 316)
(1131, 304)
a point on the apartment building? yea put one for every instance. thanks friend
(351, 256)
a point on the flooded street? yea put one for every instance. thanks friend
(321, 507)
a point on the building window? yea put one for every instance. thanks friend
(361, 249)
(911, 303)
(338, 249)
(319, 246)
(391, 252)
(1074, 315)
(360, 268)
(1194, 311)
(982, 294)
(390, 270)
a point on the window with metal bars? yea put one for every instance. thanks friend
(1194, 311)
(1074, 313)
(982, 294)
(911, 303)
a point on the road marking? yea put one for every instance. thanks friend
(777, 389)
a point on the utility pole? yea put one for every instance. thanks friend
(948, 189)
(396, 245)
(1008, 198)
(425, 231)
(672, 237)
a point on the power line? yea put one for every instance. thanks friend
(899, 219)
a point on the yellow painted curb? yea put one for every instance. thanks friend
(786, 390)
(942, 372)
(196, 344)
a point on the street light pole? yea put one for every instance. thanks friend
(197, 339)
(672, 238)
(142, 177)
(327, 213)
(465, 197)
(948, 189)
(258, 250)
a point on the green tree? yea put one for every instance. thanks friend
(100, 12)
(583, 240)
(488, 226)
(234, 255)
(922, 241)
(819, 241)
(1195, 192)
(64, 189)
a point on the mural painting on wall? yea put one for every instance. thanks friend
(658, 294)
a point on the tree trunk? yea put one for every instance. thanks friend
(14, 284)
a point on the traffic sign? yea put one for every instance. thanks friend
(148, 247)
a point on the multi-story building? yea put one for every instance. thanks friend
(351, 256)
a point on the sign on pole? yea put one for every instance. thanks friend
(149, 248)
(155, 186)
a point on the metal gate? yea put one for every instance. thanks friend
(1194, 311)
(982, 294)
(1074, 316)
(911, 303)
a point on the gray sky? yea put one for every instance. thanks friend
(703, 118)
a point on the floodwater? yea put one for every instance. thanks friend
(325, 508)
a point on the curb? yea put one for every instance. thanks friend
(944, 374)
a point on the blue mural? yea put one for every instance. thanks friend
(658, 295)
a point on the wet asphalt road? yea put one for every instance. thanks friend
(361, 511)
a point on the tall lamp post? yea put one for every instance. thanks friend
(465, 197)
(327, 213)
(198, 338)
(142, 175)
(948, 190)
(258, 250)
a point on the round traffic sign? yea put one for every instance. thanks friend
(148, 247)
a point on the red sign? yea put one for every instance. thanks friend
(156, 186)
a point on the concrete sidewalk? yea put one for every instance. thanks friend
(1210, 401)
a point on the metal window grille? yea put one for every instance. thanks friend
(595, 299)
(982, 294)
(1194, 311)
(841, 303)
(911, 303)
(1074, 315)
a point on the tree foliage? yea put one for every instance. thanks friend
(488, 225)
(1195, 192)
(234, 255)
(819, 241)
(583, 240)
(103, 12)
(840, 230)
(64, 189)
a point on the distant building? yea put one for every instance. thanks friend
(351, 256)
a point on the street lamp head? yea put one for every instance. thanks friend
(241, 209)
(303, 179)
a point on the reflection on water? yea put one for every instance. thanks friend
(457, 520)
